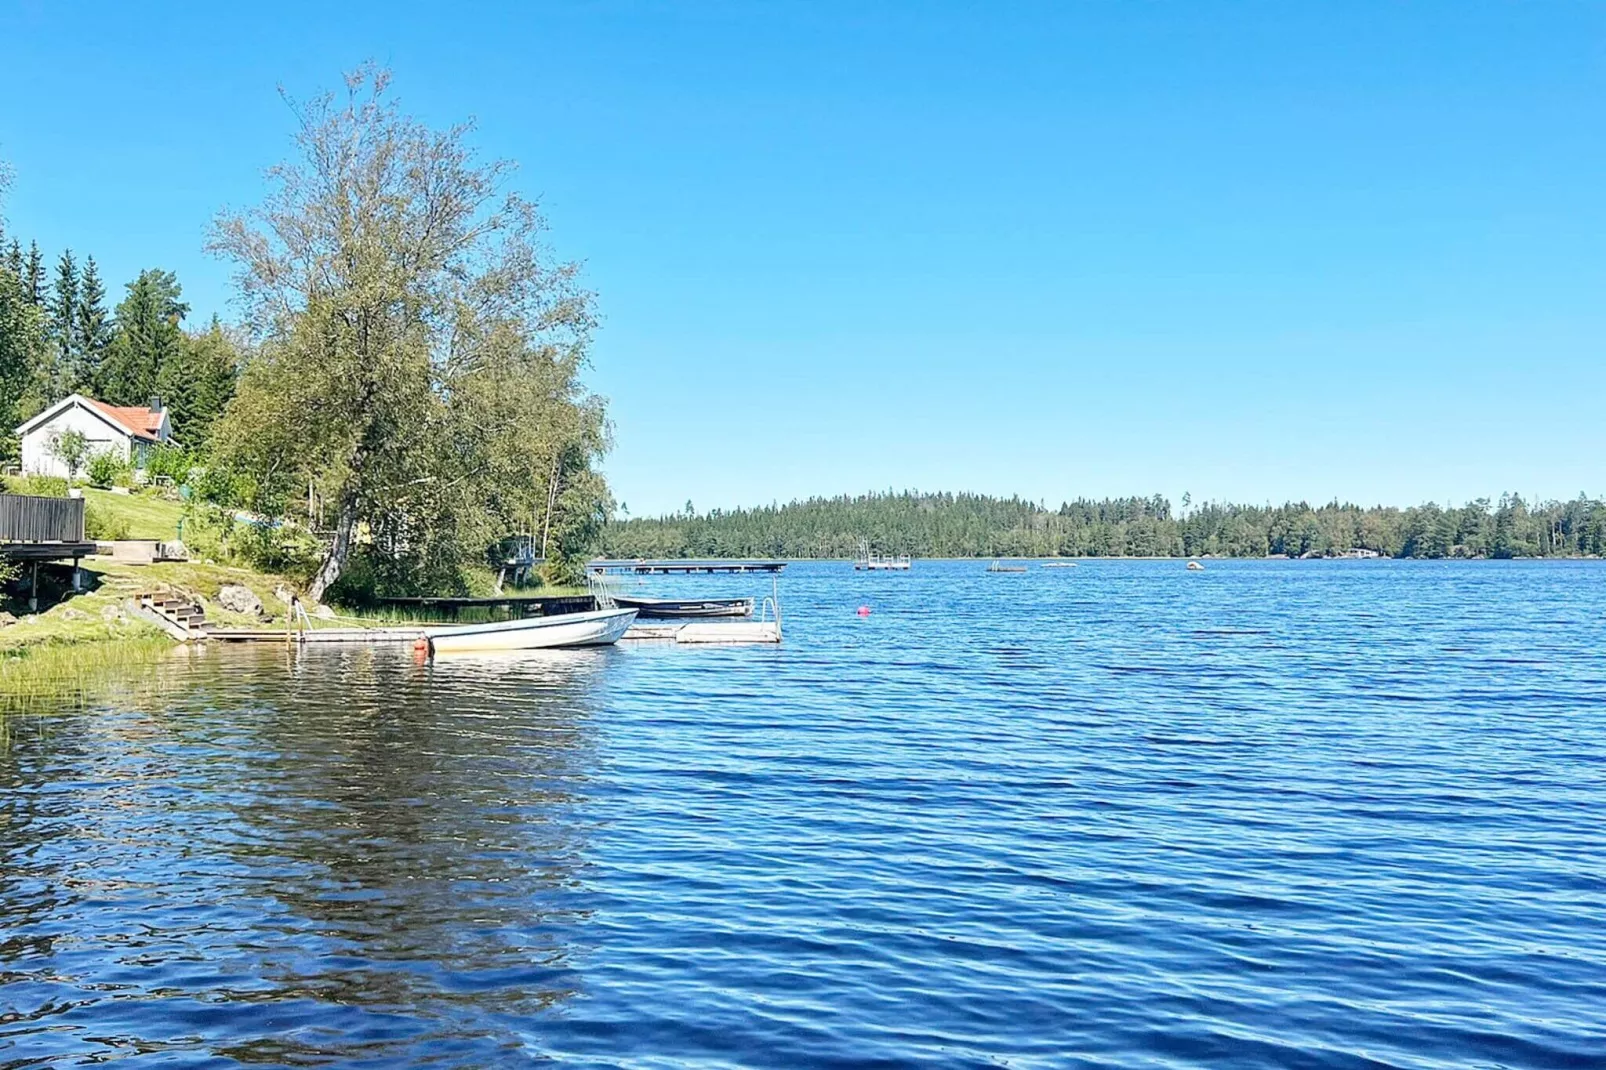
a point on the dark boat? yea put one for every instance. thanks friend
(687, 607)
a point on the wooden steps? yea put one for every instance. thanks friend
(181, 616)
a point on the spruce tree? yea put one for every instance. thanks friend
(33, 276)
(14, 259)
(62, 374)
(93, 330)
(198, 381)
(147, 337)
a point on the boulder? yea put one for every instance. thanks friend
(323, 612)
(237, 599)
(6, 619)
(74, 614)
(284, 594)
(111, 612)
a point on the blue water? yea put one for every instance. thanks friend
(1290, 814)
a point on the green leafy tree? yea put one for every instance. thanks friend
(147, 336)
(71, 448)
(416, 351)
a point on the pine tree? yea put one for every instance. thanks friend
(14, 259)
(94, 329)
(33, 276)
(147, 337)
(61, 375)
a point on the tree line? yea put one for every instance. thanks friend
(58, 337)
(404, 393)
(978, 525)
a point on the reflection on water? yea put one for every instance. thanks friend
(1313, 814)
(281, 847)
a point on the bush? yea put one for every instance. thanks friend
(106, 469)
(101, 523)
(172, 462)
(39, 486)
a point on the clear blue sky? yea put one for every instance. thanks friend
(1249, 250)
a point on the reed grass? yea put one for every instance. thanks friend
(72, 673)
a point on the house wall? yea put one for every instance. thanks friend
(37, 458)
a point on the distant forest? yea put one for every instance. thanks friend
(976, 525)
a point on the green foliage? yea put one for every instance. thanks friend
(106, 469)
(969, 525)
(197, 381)
(33, 276)
(169, 461)
(22, 349)
(94, 330)
(38, 486)
(103, 523)
(417, 377)
(62, 307)
(71, 448)
(147, 336)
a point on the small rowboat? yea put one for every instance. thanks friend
(660, 608)
(1194, 566)
(601, 627)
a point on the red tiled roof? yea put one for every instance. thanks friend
(140, 421)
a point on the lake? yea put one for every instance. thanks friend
(1273, 814)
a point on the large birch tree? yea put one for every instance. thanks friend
(417, 348)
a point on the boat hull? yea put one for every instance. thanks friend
(674, 608)
(601, 627)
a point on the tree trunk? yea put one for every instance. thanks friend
(334, 561)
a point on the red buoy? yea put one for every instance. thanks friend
(864, 611)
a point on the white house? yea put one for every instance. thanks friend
(129, 432)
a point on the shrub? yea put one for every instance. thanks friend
(102, 523)
(106, 468)
(172, 462)
(40, 486)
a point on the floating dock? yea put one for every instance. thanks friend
(869, 562)
(681, 567)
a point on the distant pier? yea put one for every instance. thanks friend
(672, 567)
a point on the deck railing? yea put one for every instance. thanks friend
(24, 518)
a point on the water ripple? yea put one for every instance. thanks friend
(1292, 814)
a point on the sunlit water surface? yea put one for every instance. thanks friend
(1271, 814)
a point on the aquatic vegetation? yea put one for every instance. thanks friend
(72, 673)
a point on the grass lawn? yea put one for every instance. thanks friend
(147, 517)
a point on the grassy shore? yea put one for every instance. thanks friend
(144, 516)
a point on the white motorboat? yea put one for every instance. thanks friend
(600, 627)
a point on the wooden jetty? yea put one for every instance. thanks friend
(677, 566)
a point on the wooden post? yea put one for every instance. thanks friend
(33, 590)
